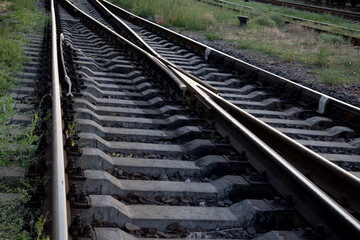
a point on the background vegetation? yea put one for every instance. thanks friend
(18, 143)
(17, 19)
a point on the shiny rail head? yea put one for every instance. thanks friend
(60, 223)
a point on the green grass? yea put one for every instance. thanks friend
(264, 33)
(264, 21)
(331, 76)
(322, 57)
(271, 21)
(14, 214)
(326, 18)
(21, 18)
(279, 20)
(259, 9)
(213, 35)
(190, 15)
(18, 19)
(333, 39)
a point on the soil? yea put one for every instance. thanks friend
(349, 92)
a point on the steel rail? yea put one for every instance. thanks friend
(331, 178)
(336, 183)
(339, 222)
(59, 217)
(123, 41)
(283, 175)
(325, 104)
(334, 180)
(135, 38)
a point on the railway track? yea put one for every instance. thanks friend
(259, 100)
(311, 8)
(151, 152)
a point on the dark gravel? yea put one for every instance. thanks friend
(296, 72)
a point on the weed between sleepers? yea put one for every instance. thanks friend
(17, 221)
(19, 150)
(16, 149)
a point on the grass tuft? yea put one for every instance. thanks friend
(190, 15)
(331, 76)
(279, 21)
(14, 214)
(322, 57)
(288, 55)
(332, 39)
(20, 17)
(212, 36)
(264, 21)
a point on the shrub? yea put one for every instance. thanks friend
(211, 36)
(279, 21)
(295, 29)
(333, 39)
(265, 21)
(322, 57)
(190, 15)
(331, 76)
(288, 56)
(209, 19)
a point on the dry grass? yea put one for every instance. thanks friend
(334, 59)
(159, 18)
(209, 19)
(191, 15)
(4, 6)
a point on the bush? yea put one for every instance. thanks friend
(211, 36)
(333, 39)
(190, 15)
(265, 21)
(288, 56)
(331, 76)
(322, 57)
(279, 21)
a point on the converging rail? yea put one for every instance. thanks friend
(158, 151)
(295, 153)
